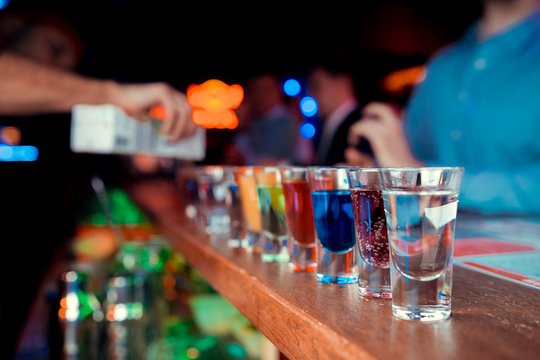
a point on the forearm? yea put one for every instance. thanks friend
(28, 87)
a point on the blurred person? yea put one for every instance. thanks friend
(270, 134)
(333, 88)
(478, 108)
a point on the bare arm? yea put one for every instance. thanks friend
(29, 87)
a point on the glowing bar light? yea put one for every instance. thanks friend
(213, 103)
(292, 87)
(18, 153)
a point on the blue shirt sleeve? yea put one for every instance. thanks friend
(502, 191)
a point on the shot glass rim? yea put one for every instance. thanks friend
(414, 168)
(328, 167)
(358, 169)
(363, 169)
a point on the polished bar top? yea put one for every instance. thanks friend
(491, 318)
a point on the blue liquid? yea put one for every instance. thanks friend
(334, 221)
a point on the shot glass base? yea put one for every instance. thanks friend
(303, 268)
(426, 314)
(279, 257)
(375, 293)
(252, 242)
(337, 268)
(303, 258)
(237, 243)
(374, 281)
(326, 279)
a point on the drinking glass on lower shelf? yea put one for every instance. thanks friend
(371, 234)
(337, 253)
(421, 207)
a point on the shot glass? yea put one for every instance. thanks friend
(299, 216)
(234, 208)
(337, 253)
(421, 207)
(212, 190)
(250, 207)
(272, 205)
(371, 233)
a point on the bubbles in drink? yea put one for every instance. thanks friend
(370, 224)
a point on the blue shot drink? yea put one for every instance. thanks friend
(337, 253)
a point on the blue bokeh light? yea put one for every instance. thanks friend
(18, 153)
(307, 130)
(4, 3)
(308, 106)
(292, 87)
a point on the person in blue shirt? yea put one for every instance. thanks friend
(478, 107)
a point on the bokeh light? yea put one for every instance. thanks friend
(4, 3)
(308, 106)
(292, 87)
(307, 130)
(18, 153)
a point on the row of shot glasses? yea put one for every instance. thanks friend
(389, 230)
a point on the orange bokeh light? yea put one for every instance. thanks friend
(158, 112)
(213, 103)
(10, 135)
(400, 80)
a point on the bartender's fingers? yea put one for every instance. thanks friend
(357, 158)
(364, 128)
(181, 124)
(386, 113)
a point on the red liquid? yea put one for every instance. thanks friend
(299, 211)
(370, 223)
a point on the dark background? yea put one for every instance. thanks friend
(186, 42)
(183, 43)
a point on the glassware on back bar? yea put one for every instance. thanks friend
(272, 205)
(212, 188)
(421, 207)
(334, 224)
(250, 207)
(299, 214)
(234, 208)
(371, 233)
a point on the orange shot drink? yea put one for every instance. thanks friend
(250, 206)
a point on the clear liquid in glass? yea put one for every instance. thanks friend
(420, 225)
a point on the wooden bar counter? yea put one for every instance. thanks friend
(491, 318)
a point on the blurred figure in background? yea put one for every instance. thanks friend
(270, 135)
(478, 107)
(333, 88)
(42, 36)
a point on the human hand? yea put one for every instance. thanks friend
(137, 99)
(381, 125)
(357, 158)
